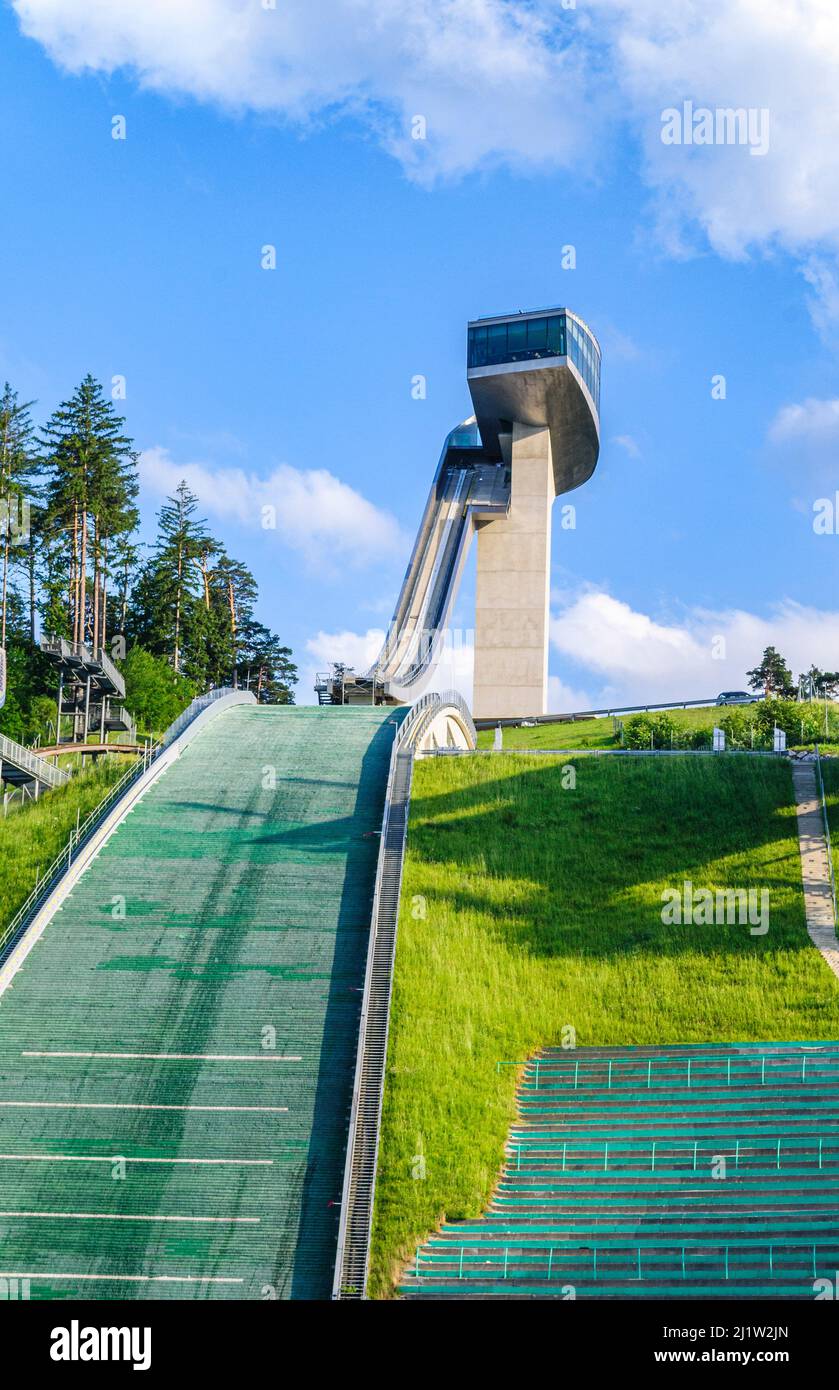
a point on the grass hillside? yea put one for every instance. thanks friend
(528, 908)
(830, 776)
(803, 722)
(31, 836)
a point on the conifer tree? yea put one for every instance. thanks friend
(18, 465)
(90, 492)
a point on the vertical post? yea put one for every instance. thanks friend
(60, 703)
(86, 710)
(102, 718)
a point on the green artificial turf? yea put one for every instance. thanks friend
(529, 907)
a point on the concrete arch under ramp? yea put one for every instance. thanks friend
(178, 1043)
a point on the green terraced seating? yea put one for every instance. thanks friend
(676, 1172)
(176, 1052)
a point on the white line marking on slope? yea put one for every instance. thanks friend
(125, 1278)
(113, 1158)
(121, 1105)
(131, 1216)
(173, 1056)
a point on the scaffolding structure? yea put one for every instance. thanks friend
(91, 691)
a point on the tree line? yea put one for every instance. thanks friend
(180, 611)
(773, 676)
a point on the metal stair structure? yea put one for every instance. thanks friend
(685, 1172)
(90, 689)
(20, 767)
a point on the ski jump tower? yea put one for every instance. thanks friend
(534, 379)
(535, 386)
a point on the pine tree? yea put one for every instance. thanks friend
(18, 465)
(164, 599)
(233, 593)
(265, 665)
(90, 494)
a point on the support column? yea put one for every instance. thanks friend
(513, 588)
(86, 710)
(60, 703)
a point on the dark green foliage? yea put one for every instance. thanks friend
(154, 693)
(773, 675)
(69, 552)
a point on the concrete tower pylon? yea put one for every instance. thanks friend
(512, 592)
(534, 379)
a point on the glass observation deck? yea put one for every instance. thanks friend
(529, 338)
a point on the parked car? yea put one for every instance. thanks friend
(736, 697)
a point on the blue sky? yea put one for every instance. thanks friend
(142, 258)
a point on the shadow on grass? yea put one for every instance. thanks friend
(589, 863)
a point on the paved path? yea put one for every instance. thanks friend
(818, 898)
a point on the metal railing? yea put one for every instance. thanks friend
(609, 712)
(426, 710)
(733, 1069)
(72, 653)
(626, 1154)
(201, 702)
(64, 859)
(827, 837)
(351, 1264)
(37, 767)
(755, 1259)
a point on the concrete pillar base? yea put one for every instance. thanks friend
(513, 588)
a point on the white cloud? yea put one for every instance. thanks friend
(494, 82)
(640, 659)
(315, 512)
(356, 649)
(628, 443)
(565, 699)
(814, 420)
(806, 440)
(530, 85)
(747, 53)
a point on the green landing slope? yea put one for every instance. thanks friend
(176, 1051)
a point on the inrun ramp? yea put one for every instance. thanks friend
(176, 1051)
(675, 1172)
